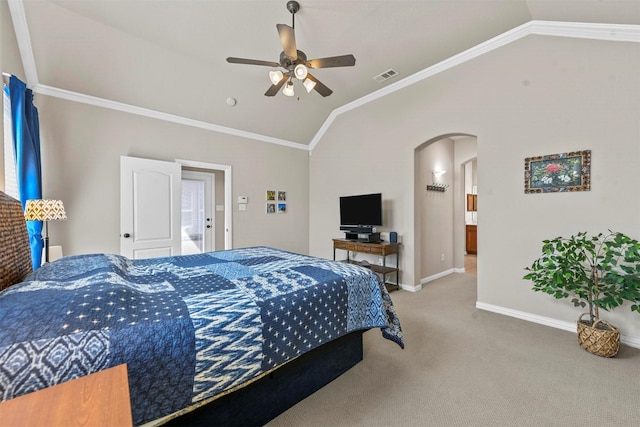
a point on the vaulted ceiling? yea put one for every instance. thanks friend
(167, 58)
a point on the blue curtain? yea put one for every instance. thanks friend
(26, 139)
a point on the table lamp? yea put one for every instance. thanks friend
(45, 210)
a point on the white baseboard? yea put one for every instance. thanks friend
(436, 276)
(632, 341)
(411, 288)
(431, 278)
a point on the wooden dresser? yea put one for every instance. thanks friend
(100, 399)
(382, 249)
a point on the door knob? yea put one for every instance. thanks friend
(126, 235)
(208, 226)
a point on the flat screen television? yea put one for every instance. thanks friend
(364, 210)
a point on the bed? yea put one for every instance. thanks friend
(200, 334)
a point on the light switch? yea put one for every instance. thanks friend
(219, 208)
(242, 206)
(243, 199)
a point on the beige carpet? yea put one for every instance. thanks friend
(467, 367)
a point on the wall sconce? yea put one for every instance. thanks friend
(437, 174)
(437, 186)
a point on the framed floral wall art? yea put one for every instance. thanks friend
(558, 172)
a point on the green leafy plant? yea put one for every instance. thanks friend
(599, 271)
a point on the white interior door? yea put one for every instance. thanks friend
(149, 208)
(198, 224)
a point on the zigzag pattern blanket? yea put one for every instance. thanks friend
(189, 327)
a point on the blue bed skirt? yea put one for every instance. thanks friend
(265, 399)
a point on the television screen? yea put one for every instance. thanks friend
(364, 209)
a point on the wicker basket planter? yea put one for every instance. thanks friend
(601, 338)
(600, 271)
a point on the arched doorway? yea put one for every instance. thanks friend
(440, 232)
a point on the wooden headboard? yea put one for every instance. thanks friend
(15, 252)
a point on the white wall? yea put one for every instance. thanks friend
(539, 95)
(81, 146)
(435, 208)
(81, 149)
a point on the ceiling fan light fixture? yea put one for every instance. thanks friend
(293, 62)
(309, 85)
(300, 71)
(288, 89)
(275, 76)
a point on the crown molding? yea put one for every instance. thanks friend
(595, 31)
(467, 55)
(608, 32)
(159, 115)
(19, 19)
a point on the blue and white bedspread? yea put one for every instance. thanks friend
(188, 327)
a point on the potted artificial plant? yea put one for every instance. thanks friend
(598, 271)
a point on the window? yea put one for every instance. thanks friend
(10, 179)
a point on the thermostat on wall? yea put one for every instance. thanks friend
(242, 199)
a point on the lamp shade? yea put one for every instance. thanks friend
(275, 76)
(288, 89)
(300, 71)
(44, 210)
(309, 85)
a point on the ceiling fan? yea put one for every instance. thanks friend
(295, 63)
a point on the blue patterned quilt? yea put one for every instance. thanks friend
(189, 327)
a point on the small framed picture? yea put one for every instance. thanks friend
(282, 196)
(271, 208)
(271, 195)
(282, 208)
(564, 172)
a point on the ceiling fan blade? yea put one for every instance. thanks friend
(288, 40)
(273, 90)
(252, 62)
(333, 61)
(319, 87)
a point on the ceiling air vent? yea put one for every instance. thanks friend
(386, 75)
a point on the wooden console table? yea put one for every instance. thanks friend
(100, 399)
(382, 249)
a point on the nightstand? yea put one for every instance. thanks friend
(100, 399)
